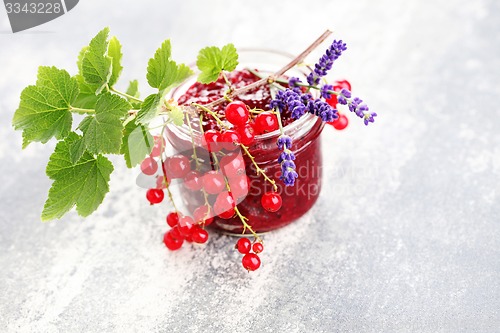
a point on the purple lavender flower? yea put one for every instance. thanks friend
(294, 81)
(286, 158)
(322, 109)
(368, 117)
(291, 99)
(284, 141)
(343, 96)
(325, 91)
(326, 61)
(361, 110)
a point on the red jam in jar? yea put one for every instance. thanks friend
(305, 133)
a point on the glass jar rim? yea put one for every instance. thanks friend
(290, 128)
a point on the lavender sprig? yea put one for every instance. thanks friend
(326, 61)
(354, 104)
(286, 158)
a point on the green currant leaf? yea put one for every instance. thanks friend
(96, 65)
(87, 98)
(136, 144)
(175, 114)
(102, 132)
(133, 90)
(164, 72)
(83, 184)
(157, 66)
(212, 61)
(76, 150)
(44, 111)
(115, 52)
(229, 57)
(149, 108)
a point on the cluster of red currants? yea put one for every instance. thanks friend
(224, 183)
(250, 261)
(185, 228)
(342, 121)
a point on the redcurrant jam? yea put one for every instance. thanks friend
(305, 133)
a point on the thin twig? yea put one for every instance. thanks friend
(271, 78)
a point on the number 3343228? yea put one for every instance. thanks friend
(33, 8)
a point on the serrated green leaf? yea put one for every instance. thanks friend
(183, 72)
(83, 184)
(157, 66)
(229, 57)
(137, 143)
(76, 150)
(102, 132)
(96, 65)
(176, 115)
(208, 63)
(164, 72)
(212, 61)
(115, 52)
(133, 89)
(80, 58)
(87, 97)
(44, 109)
(149, 108)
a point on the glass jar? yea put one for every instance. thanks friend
(305, 133)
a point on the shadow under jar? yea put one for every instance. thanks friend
(305, 133)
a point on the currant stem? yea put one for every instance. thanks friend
(229, 85)
(213, 114)
(126, 95)
(192, 141)
(271, 78)
(258, 169)
(246, 226)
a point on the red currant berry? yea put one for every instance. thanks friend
(333, 98)
(213, 182)
(247, 134)
(237, 113)
(212, 140)
(258, 247)
(240, 186)
(159, 144)
(203, 214)
(149, 166)
(243, 245)
(185, 225)
(343, 84)
(199, 235)
(193, 181)
(225, 200)
(251, 261)
(154, 195)
(230, 140)
(172, 219)
(176, 233)
(266, 122)
(223, 212)
(172, 243)
(177, 166)
(341, 122)
(160, 182)
(188, 238)
(271, 201)
(232, 165)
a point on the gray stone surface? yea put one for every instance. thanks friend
(405, 236)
